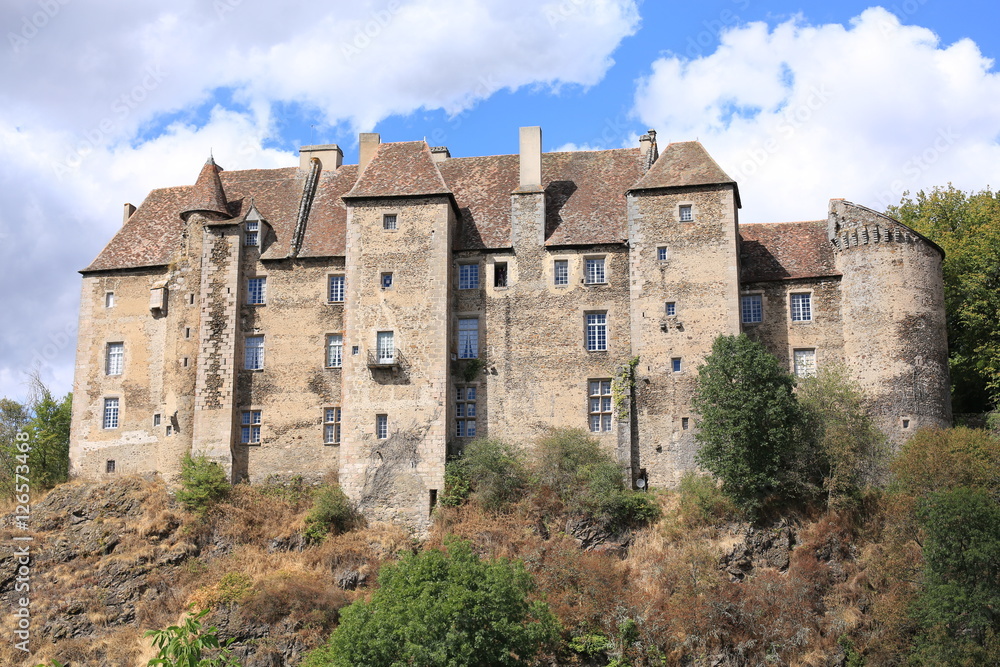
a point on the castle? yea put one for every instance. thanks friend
(369, 319)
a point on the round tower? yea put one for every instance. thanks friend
(895, 342)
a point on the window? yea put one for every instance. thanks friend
(468, 338)
(255, 290)
(675, 364)
(250, 427)
(253, 359)
(170, 430)
(500, 274)
(468, 276)
(334, 350)
(801, 307)
(389, 221)
(386, 280)
(597, 332)
(336, 291)
(156, 420)
(751, 309)
(465, 412)
(804, 362)
(331, 426)
(386, 347)
(109, 299)
(685, 213)
(109, 466)
(661, 253)
(595, 271)
(191, 299)
(114, 359)
(685, 423)
(600, 406)
(906, 423)
(251, 233)
(187, 332)
(381, 426)
(110, 413)
(671, 308)
(560, 274)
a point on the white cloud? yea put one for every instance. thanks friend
(798, 114)
(87, 85)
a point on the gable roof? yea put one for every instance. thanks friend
(785, 251)
(403, 169)
(684, 164)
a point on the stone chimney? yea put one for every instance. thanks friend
(531, 158)
(440, 153)
(647, 146)
(330, 156)
(369, 144)
(129, 210)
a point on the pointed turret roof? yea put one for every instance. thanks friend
(402, 169)
(684, 164)
(207, 194)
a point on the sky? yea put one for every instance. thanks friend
(102, 101)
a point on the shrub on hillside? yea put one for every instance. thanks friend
(702, 502)
(493, 470)
(203, 483)
(332, 512)
(942, 459)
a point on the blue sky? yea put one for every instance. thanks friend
(103, 101)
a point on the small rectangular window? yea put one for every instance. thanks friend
(114, 359)
(334, 350)
(468, 276)
(335, 293)
(560, 272)
(191, 299)
(110, 413)
(389, 221)
(661, 253)
(751, 309)
(170, 430)
(381, 426)
(255, 290)
(597, 332)
(675, 364)
(685, 423)
(185, 362)
(331, 426)
(386, 347)
(468, 338)
(685, 213)
(595, 274)
(500, 274)
(804, 362)
(253, 359)
(801, 307)
(109, 299)
(671, 308)
(465, 412)
(599, 405)
(109, 466)
(250, 423)
(386, 280)
(251, 233)
(156, 420)
(187, 332)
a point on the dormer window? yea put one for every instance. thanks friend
(251, 235)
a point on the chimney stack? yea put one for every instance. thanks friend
(330, 156)
(369, 144)
(440, 153)
(129, 210)
(531, 158)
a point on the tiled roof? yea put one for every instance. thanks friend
(403, 169)
(584, 196)
(326, 233)
(151, 236)
(785, 251)
(207, 193)
(682, 164)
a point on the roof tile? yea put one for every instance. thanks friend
(785, 251)
(403, 169)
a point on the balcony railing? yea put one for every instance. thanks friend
(397, 360)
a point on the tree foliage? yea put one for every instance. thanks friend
(492, 469)
(203, 483)
(443, 608)
(750, 420)
(47, 421)
(967, 227)
(332, 511)
(184, 645)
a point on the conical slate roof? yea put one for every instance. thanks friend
(207, 194)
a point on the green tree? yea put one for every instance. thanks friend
(47, 421)
(203, 483)
(332, 511)
(967, 227)
(494, 471)
(443, 608)
(750, 420)
(845, 451)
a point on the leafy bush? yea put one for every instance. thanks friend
(941, 459)
(494, 470)
(588, 480)
(750, 420)
(184, 645)
(332, 511)
(203, 483)
(702, 502)
(443, 608)
(456, 485)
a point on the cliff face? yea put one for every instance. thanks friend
(109, 561)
